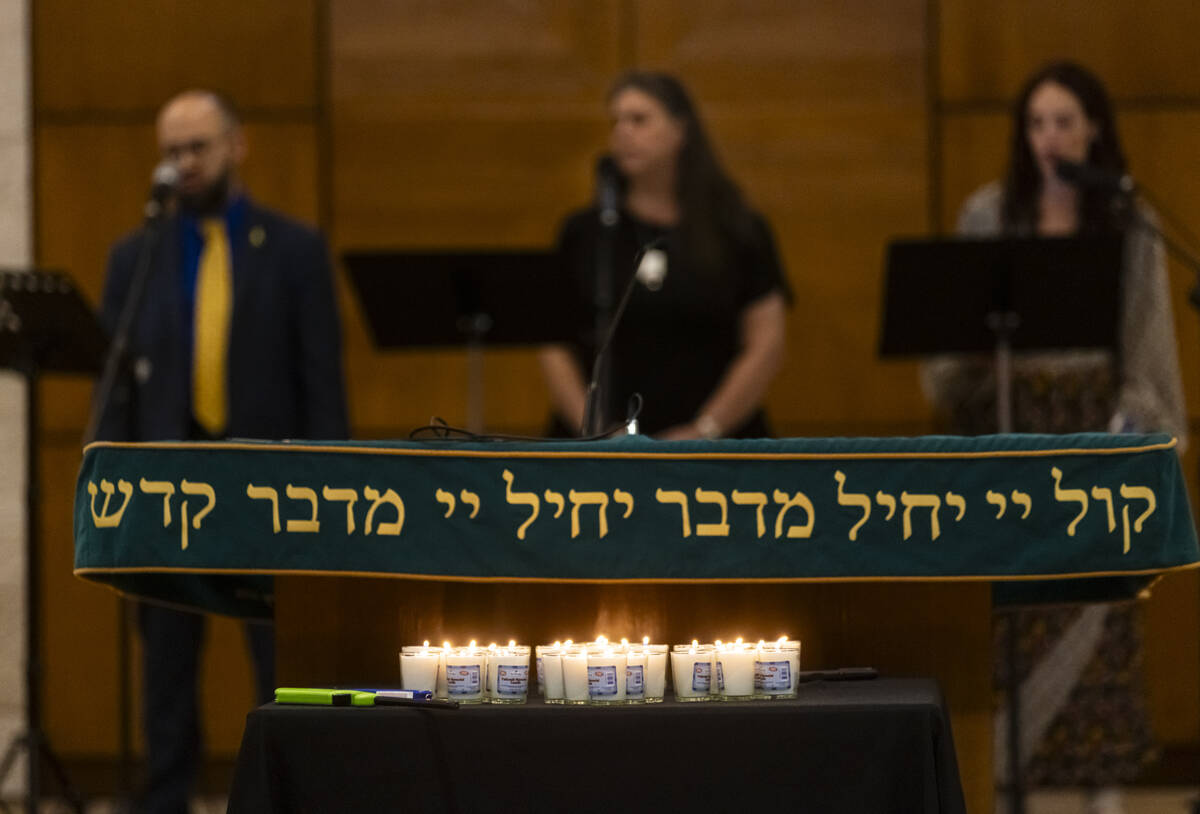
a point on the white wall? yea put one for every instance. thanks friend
(16, 251)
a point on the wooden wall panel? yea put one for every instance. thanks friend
(820, 114)
(90, 58)
(1143, 49)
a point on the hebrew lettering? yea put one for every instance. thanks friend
(521, 499)
(312, 525)
(720, 529)
(104, 520)
(852, 499)
(797, 500)
(266, 493)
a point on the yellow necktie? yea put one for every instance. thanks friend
(214, 309)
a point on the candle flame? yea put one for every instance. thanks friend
(512, 642)
(472, 644)
(645, 641)
(624, 642)
(738, 641)
(492, 647)
(558, 644)
(568, 643)
(446, 645)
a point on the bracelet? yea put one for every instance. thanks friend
(707, 427)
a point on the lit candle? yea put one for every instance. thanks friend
(691, 668)
(442, 691)
(508, 674)
(656, 671)
(606, 674)
(575, 673)
(552, 667)
(737, 670)
(777, 668)
(635, 673)
(466, 671)
(419, 668)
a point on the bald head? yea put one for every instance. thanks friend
(199, 133)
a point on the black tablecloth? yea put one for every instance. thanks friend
(870, 746)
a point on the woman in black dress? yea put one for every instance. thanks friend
(702, 350)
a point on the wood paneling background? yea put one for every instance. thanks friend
(423, 123)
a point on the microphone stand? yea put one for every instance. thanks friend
(592, 421)
(115, 361)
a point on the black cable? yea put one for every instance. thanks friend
(439, 430)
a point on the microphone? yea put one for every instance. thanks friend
(163, 183)
(1088, 176)
(608, 190)
(651, 271)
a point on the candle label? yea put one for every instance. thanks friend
(773, 676)
(541, 673)
(462, 679)
(635, 686)
(512, 679)
(701, 676)
(602, 681)
(720, 677)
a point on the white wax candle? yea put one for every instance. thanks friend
(691, 671)
(442, 691)
(466, 672)
(575, 676)
(419, 671)
(777, 669)
(737, 670)
(606, 676)
(552, 673)
(508, 674)
(656, 671)
(635, 674)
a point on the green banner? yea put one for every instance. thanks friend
(1108, 511)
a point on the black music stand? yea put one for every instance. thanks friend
(1000, 295)
(45, 327)
(465, 298)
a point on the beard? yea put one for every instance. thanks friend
(209, 201)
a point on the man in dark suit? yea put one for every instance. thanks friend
(237, 335)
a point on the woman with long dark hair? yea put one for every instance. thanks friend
(702, 350)
(1083, 716)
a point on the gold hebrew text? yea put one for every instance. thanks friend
(203, 489)
(997, 499)
(958, 502)
(529, 499)
(1104, 494)
(470, 499)
(1069, 496)
(266, 493)
(389, 497)
(910, 502)
(625, 499)
(588, 498)
(756, 499)
(713, 529)
(675, 496)
(1137, 493)
(442, 496)
(347, 496)
(801, 500)
(556, 500)
(311, 525)
(888, 502)
(1022, 499)
(160, 487)
(104, 520)
(852, 499)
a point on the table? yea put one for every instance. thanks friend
(868, 746)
